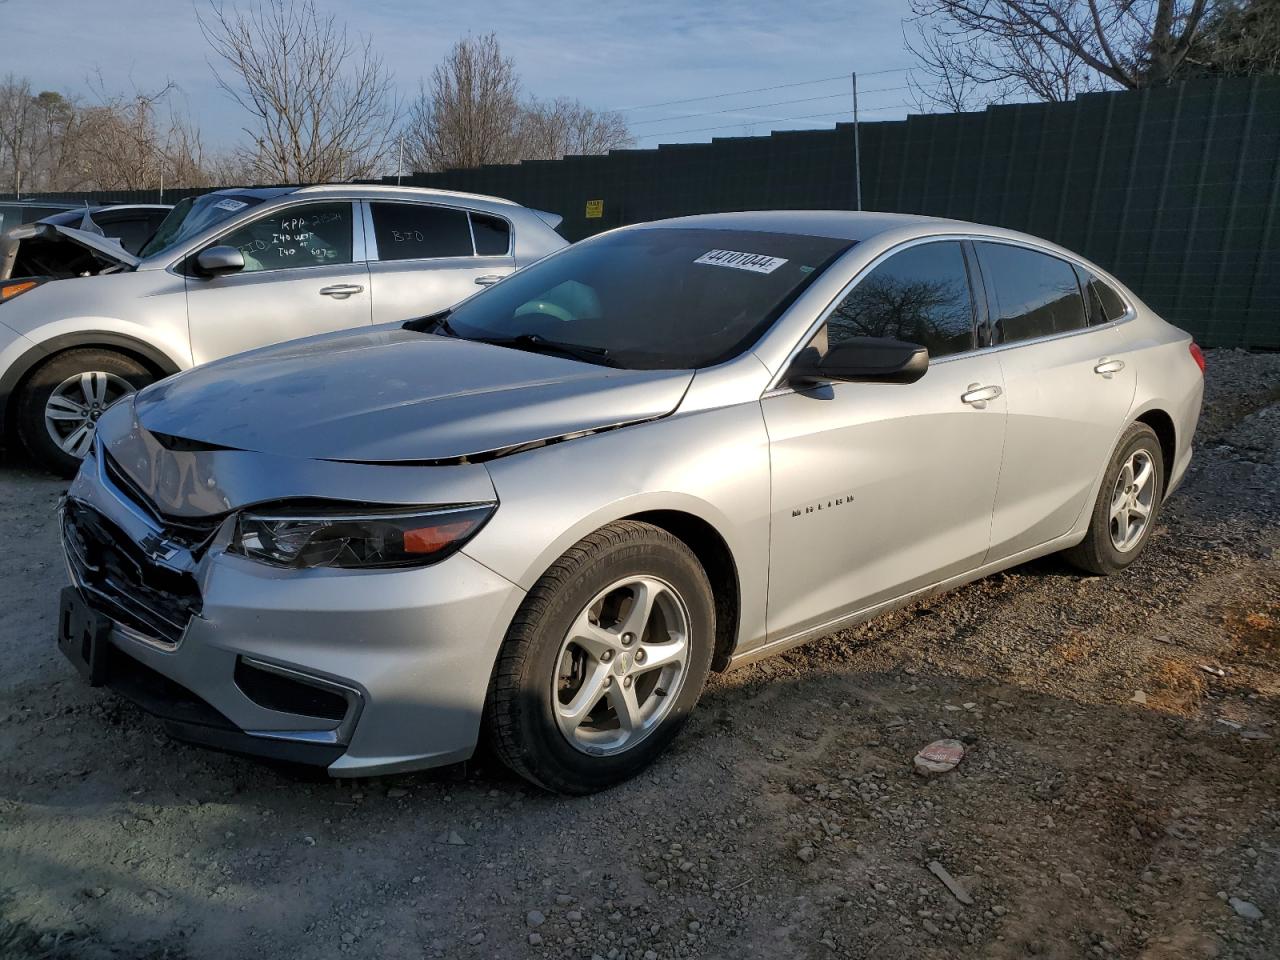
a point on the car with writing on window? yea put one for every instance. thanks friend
(549, 512)
(230, 271)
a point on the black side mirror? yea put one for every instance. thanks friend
(875, 359)
(218, 261)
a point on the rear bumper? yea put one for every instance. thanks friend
(402, 658)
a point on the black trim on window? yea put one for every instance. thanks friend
(978, 294)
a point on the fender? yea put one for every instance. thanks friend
(26, 362)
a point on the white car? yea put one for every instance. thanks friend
(237, 269)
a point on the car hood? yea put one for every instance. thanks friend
(107, 248)
(389, 395)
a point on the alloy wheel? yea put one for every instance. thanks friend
(621, 665)
(1132, 501)
(71, 413)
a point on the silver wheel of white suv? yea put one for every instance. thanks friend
(622, 665)
(71, 413)
(57, 407)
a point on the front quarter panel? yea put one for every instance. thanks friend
(713, 464)
(148, 306)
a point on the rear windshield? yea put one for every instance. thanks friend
(661, 298)
(195, 215)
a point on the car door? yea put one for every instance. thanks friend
(304, 274)
(879, 488)
(425, 258)
(1067, 391)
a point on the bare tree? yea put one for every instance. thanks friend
(562, 127)
(321, 103)
(469, 112)
(119, 145)
(18, 131)
(979, 51)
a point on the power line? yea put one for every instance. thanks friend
(777, 86)
(744, 123)
(762, 106)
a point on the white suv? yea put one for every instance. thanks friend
(237, 269)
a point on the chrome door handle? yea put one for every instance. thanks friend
(489, 280)
(977, 395)
(1108, 367)
(341, 290)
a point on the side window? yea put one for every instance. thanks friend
(1035, 294)
(493, 235)
(306, 235)
(1107, 300)
(131, 232)
(418, 231)
(920, 295)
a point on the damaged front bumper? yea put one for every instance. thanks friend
(359, 671)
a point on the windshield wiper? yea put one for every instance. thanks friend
(432, 323)
(536, 343)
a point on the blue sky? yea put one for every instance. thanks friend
(610, 55)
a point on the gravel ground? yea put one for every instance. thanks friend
(1117, 798)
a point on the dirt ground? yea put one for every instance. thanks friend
(786, 822)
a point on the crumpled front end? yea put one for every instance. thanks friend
(359, 671)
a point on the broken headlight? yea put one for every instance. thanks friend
(351, 540)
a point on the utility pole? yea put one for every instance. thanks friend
(400, 164)
(857, 152)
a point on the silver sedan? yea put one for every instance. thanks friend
(549, 513)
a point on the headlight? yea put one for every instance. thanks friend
(366, 540)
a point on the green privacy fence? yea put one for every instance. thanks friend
(1175, 190)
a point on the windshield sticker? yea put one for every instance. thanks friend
(755, 262)
(231, 206)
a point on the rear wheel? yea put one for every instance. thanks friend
(59, 404)
(1127, 505)
(604, 661)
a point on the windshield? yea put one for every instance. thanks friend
(653, 299)
(194, 215)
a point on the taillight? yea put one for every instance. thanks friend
(1197, 355)
(11, 290)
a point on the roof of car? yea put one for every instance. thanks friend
(391, 190)
(840, 224)
(262, 193)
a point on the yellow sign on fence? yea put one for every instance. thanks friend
(595, 209)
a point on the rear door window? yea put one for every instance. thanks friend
(1035, 294)
(419, 231)
(307, 235)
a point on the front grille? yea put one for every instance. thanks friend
(121, 581)
(190, 532)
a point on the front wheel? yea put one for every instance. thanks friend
(60, 403)
(604, 661)
(1127, 505)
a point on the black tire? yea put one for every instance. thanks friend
(519, 710)
(1097, 553)
(39, 386)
